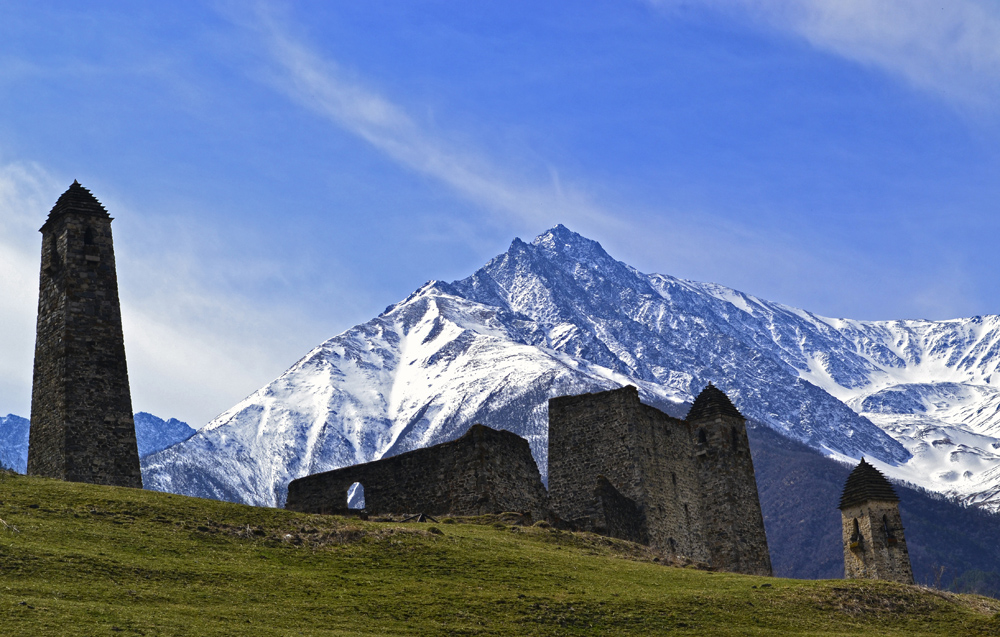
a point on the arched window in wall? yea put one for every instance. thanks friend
(356, 496)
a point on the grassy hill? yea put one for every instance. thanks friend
(90, 560)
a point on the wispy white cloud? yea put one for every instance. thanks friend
(24, 190)
(701, 244)
(321, 85)
(194, 347)
(949, 48)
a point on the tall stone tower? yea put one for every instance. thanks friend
(874, 545)
(81, 407)
(733, 523)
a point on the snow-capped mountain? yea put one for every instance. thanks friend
(151, 433)
(154, 434)
(921, 399)
(14, 443)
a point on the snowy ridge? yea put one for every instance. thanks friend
(417, 375)
(561, 316)
(152, 434)
(14, 443)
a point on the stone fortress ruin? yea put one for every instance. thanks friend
(484, 471)
(616, 467)
(687, 487)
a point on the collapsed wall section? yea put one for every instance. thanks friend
(484, 471)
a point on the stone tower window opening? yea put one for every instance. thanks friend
(855, 541)
(55, 259)
(91, 252)
(702, 438)
(734, 438)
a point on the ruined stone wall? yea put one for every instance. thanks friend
(674, 507)
(878, 555)
(81, 407)
(592, 435)
(484, 471)
(690, 487)
(621, 516)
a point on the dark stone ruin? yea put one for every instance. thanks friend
(484, 471)
(625, 469)
(81, 408)
(616, 467)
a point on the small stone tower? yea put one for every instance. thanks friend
(874, 545)
(81, 407)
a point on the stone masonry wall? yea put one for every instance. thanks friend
(877, 556)
(733, 523)
(692, 484)
(592, 435)
(484, 471)
(674, 502)
(81, 407)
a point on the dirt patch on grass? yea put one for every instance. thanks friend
(320, 536)
(883, 600)
(976, 603)
(875, 601)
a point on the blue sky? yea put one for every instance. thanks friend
(282, 171)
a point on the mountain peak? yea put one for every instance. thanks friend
(560, 241)
(561, 235)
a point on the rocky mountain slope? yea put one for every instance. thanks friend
(152, 434)
(14, 443)
(920, 399)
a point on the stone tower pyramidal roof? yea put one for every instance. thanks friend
(866, 483)
(76, 199)
(712, 402)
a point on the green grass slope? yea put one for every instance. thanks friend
(80, 559)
